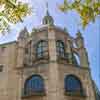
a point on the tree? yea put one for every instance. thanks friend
(87, 9)
(12, 11)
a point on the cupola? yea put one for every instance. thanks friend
(48, 19)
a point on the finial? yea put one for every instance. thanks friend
(65, 29)
(79, 34)
(47, 18)
(23, 33)
(47, 5)
(47, 12)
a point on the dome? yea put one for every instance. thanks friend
(48, 19)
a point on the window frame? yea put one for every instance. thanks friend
(60, 48)
(76, 59)
(73, 91)
(41, 49)
(29, 90)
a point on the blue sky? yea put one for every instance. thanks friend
(71, 21)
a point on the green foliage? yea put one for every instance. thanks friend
(13, 12)
(88, 10)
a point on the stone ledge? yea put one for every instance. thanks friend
(75, 94)
(34, 94)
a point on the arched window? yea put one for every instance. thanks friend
(41, 49)
(60, 48)
(75, 59)
(73, 84)
(34, 85)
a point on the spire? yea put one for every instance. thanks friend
(79, 40)
(47, 12)
(23, 34)
(47, 18)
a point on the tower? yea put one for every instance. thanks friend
(50, 70)
(47, 65)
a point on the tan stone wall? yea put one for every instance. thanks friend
(82, 74)
(14, 75)
(8, 60)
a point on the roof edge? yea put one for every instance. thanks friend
(7, 43)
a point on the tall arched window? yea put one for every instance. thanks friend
(41, 49)
(60, 48)
(75, 59)
(34, 85)
(73, 84)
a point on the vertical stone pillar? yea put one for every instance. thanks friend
(69, 51)
(20, 53)
(20, 85)
(82, 51)
(53, 67)
(83, 58)
(22, 39)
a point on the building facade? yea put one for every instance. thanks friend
(48, 64)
